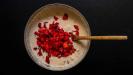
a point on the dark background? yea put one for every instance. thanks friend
(106, 17)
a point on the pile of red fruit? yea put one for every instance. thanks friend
(54, 40)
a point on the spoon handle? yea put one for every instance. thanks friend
(101, 37)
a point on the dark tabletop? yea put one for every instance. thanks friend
(106, 17)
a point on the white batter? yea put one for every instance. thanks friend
(67, 25)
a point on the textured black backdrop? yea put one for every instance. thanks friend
(106, 17)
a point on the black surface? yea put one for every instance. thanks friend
(106, 17)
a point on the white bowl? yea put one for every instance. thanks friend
(45, 13)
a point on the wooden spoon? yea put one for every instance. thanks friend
(100, 37)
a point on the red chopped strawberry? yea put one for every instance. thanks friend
(39, 25)
(35, 48)
(47, 59)
(56, 18)
(54, 40)
(38, 43)
(45, 24)
(65, 45)
(65, 17)
(36, 33)
(66, 54)
(77, 33)
(77, 30)
(55, 53)
(76, 27)
(39, 52)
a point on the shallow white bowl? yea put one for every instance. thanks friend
(45, 13)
